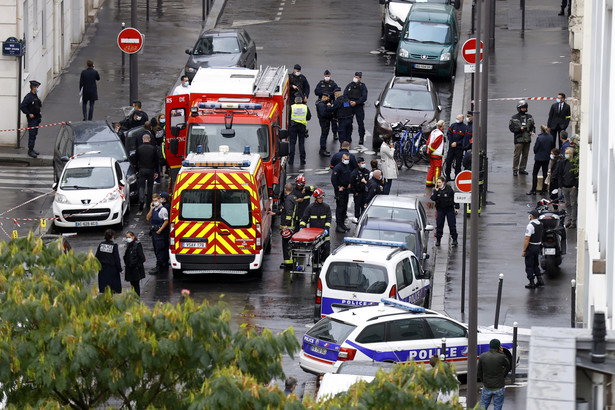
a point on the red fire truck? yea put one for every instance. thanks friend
(236, 107)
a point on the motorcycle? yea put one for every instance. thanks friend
(553, 233)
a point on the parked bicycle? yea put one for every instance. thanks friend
(410, 144)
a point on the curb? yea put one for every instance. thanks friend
(25, 159)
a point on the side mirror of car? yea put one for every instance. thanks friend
(426, 274)
(173, 146)
(439, 108)
(283, 134)
(176, 129)
(64, 158)
(284, 148)
(275, 189)
(54, 186)
(428, 228)
(425, 256)
(383, 1)
(377, 103)
(189, 51)
(123, 182)
(245, 48)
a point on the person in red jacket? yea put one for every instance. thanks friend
(435, 149)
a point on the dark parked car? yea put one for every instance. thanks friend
(221, 48)
(406, 98)
(98, 137)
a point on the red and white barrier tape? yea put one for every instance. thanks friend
(527, 99)
(38, 126)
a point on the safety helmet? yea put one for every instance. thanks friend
(319, 193)
(300, 180)
(521, 104)
(286, 233)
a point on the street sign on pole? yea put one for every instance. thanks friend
(130, 40)
(463, 181)
(463, 197)
(468, 51)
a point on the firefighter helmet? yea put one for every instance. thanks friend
(300, 180)
(318, 193)
(286, 233)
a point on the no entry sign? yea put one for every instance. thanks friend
(130, 40)
(464, 181)
(468, 51)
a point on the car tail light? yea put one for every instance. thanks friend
(346, 354)
(393, 292)
(549, 239)
(172, 234)
(319, 293)
(258, 235)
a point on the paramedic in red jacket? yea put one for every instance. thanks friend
(435, 149)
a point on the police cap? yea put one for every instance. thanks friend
(297, 67)
(471, 113)
(358, 74)
(327, 72)
(337, 90)
(34, 83)
(534, 213)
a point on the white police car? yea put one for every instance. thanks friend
(363, 271)
(391, 331)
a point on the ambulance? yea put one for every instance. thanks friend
(220, 214)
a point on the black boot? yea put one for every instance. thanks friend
(539, 281)
(361, 141)
(437, 241)
(32, 153)
(561, 13)
(530, 285)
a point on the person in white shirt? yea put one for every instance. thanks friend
(184, 87)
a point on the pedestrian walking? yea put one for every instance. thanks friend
(183, 87)
(542, 152)
(108, 255)
(133, 262)
(522, 126)
(147, 164)
(559, 115)
(356, 92)
(88, 89)
(303, 194)
(493, 366)
(31, 106)
(456, 135)
(343, 111)
(531, 250)
(299, 116)
(340, 179)
(387, 163)
(435, 149)
(375, 186)
(299, 85)
(325, 120)
(467, 142)
(159, 219)
(358, 179)
(287, 224)
(563, 142)
(318, 215)
(568, 177)
(446, 209)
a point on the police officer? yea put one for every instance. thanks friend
(318, 215)
(375, 186)
(302, 194)
(287, 224)
(299, 116)
(340, 178)
(531, 250)
(456, 135)
(467, 142)
(325, 119)
(327, 87)
(159, 218)
(299, 85)
(446, 209)
(522, 126)
(31, 106)
(342, 110)
(359, 178)
(110, 266)
(356, 92)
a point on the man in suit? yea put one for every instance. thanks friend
(88, 89)
(559, 117)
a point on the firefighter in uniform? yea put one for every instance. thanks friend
(318, 215)
(287, 224)
(435, 149)
(356, 92)
(302, 194)
(31, 106)
(456, 135)
(342, 110)
(531, 250)
(299, 116)
(159, 218)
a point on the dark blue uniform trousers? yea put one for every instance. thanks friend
(449, 215)
(532, 267)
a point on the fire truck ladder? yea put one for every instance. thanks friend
(268, 80)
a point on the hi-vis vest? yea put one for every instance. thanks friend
(435, 145)
(298, 113)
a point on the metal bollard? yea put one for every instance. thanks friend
(498, 302)
(522, 16)
(514, 354)
(573, 313)
(443, 353)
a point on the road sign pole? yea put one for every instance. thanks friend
(134, 60)
(463, 258)
(19, 85)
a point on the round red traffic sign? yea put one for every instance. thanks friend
(463, 181)
(468, 51)
(130, 40)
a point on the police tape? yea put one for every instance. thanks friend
(38, 126)
(527, 99)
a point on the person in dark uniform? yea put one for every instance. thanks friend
(318, 215)
(375, 186)
(325, 119)
(523, 127)
(327, 87)
(136, 118)
(133, 261)
(340, 178)
(31, 106)
(559, 115)
(542, 153)
(467, 142)
(287, 224)
(456, 135)
(337, 157)
(356, 92)
(299, 116)
(531, 250)
(147, 164)
(303, 194)
(159, 218)
(359, 178)
(446, 208)
(111, 267)
(342, 110)
(299, 85)
(88, 89)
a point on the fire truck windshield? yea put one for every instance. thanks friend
(210, 137)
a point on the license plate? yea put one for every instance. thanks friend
(194, 244)
(319, 350)
(86, 223)
(423, 66)
(549, 251)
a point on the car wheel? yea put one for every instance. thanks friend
(268, 244)
(255, 64)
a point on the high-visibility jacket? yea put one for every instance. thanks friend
(299, 113)
(435, 144)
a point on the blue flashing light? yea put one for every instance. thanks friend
(216, 164)
(403, 305)
(361, 241)
(199, 149)
(230, 105)
(246, 150)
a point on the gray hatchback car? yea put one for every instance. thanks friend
(221, 48)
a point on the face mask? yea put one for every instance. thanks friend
(355, 80)
(185, 84)
(468, 119)
(138, 118)
(129, 240)
(162, 121)
(552, 156)
(362, 165)
(297, 73)
(156, 204)
(558, 100)
(346, 162)
(327, 78)
(458, 121)
(567, 156)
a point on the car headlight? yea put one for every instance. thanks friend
(131, 179)
(112, 196)
(382, 122)
(190, 69)
(446, 56)
(61, 199)
(403, 53)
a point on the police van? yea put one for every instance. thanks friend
(220, 214)
(362, 271)
(392, 331)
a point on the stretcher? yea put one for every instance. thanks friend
(306, 247)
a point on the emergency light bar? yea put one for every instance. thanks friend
(215, 164)
(403, 305)
(361, 241)
(239, 106)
